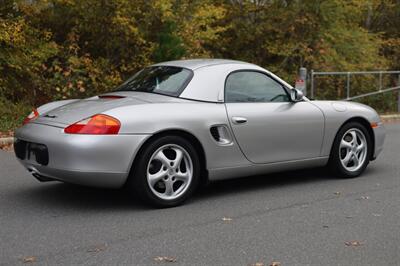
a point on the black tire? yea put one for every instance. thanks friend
(138, 179)
(335, 164)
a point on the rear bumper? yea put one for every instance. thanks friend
(93, 160)
(379, 134)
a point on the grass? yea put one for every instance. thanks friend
(12, 114)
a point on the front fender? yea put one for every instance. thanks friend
(337, 113)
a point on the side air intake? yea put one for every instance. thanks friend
(221, 134)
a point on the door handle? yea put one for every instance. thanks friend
(239, 120)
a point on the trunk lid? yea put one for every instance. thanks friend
(73, 112)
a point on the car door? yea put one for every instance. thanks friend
(267, 125)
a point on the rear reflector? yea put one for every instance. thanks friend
(95, 125)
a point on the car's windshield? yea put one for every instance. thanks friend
(165, 80)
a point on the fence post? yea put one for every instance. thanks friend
(312, 83)
(348, 85)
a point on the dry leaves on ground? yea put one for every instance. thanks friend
(165, 259)
(257, 264)
(353, 243)
(97, 248)
(226, 219)
(8, 147)
(364, 198)
(6, 134)
(29, 259)
(275, 263)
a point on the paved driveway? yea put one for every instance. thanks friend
(296, 218)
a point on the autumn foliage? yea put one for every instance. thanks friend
(55, 49)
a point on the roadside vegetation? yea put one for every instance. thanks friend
(57, 49)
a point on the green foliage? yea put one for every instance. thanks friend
(59, 49)
(12, 114)
(170, 45)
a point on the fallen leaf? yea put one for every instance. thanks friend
(226, 219)
(364, 198)
(165, 259)
(353, 243)
(257, 264)
(275, 263)
(97, 248)
(29, 259)
(337, 193)
(7, 147)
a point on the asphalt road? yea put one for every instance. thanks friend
(296, 218)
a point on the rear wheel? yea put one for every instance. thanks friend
(351, 150)
(167, 172)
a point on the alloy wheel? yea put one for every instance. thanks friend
(169, 172)
(353, 149)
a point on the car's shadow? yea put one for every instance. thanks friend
(264, 182)
(73, 196)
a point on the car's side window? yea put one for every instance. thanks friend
(252, 86)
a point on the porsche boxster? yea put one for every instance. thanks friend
(174, 125)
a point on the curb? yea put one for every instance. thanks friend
(6, 141)
(390, 117)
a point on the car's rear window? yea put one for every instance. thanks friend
(165, 80)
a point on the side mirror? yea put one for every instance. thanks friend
(296, 95)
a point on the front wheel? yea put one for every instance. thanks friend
(351, 150)
(167, 172)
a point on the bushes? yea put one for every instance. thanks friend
(12, 114)
(58, 49)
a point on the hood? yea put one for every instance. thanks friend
(73, 112)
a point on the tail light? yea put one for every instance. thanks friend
(96, 125)
(32, 116)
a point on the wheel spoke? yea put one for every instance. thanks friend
(162, 158)
(347, 158)
(355, 160)
(345, 144)
(154, 178)
(354, 137)
(169, 189)
(182, 176)
(360, 147)
(178, 159)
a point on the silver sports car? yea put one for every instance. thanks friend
(176, 124)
